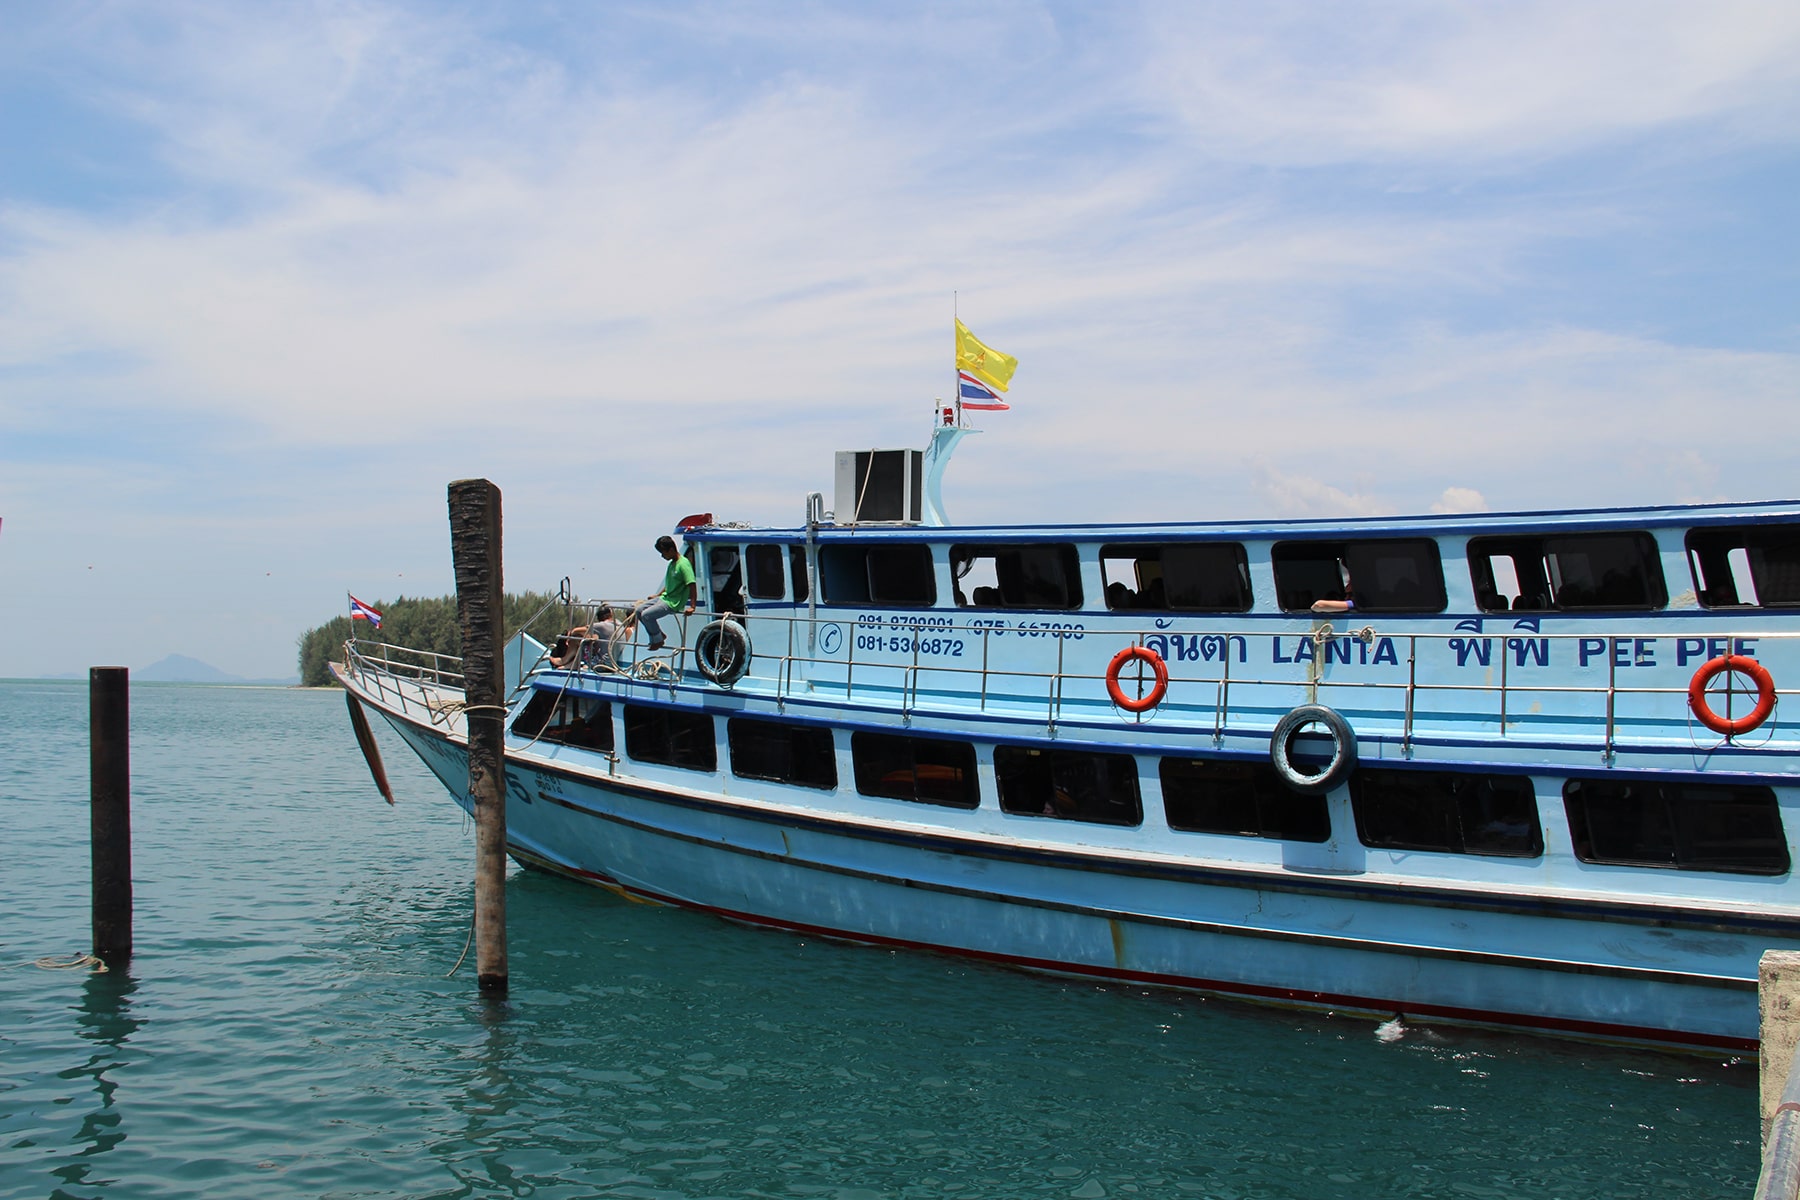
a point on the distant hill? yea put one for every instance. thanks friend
(179, 668)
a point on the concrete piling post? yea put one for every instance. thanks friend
(475, 551)
(109, 810)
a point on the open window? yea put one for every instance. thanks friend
(1754, 566)
(1177, 577)
(896, 573)
(1036, 575)
(1570, 571)
(1379, 575)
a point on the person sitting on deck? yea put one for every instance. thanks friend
(678, 590)
(594, 645)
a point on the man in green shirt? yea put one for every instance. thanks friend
(678, 591)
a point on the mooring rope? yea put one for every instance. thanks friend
(467, 942)
(51, 963)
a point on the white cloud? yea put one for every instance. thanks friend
(1307, 83)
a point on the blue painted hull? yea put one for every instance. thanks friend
(1597, 969)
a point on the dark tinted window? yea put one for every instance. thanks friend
(569, 720)
(1071, 784)
(1446, 810)
(929, 770)
(1576, 571)
(672, 736)
(783, 751)
(1178, 576)
(1385, 575)
(1691, 826)
(897, 573)
(1233, 796)
(766, 573)
(1032, 576)
(1757, 565)
(797, 563)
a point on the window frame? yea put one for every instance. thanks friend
(1270, 800)
(866, 746)
(798, 732)
(1060, 764)
(1461, 792)
(1353, 557)
(1680, 823)
(1067, 561)
(635, 731)
(1135, 552)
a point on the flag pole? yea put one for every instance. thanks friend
(955, 363)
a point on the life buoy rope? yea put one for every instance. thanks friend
(1738, 664)
(1149, 699)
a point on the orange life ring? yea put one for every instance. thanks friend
(1765, 694)
(1149, 699)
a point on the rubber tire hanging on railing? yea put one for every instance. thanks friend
(1343, 749)
(723, 652)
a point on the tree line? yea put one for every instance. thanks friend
(427, 623)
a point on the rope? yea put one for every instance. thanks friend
(75, 962)
(467, 942)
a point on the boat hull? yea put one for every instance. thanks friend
(1596, 970)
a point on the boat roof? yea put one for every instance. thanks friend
(1428, 525)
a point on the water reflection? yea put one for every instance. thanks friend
(104, 1019)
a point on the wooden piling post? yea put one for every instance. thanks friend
(475, 551)
(109, 810)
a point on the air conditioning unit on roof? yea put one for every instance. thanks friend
(876, 486)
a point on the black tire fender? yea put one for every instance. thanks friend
(723, 652)
(1343, 749)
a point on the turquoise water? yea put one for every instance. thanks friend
(286, 1029)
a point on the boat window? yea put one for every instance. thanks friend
(784, 751)
(1578, 571)
(672, 736)
(763, 565)
(1239, 797)
(1032, 576)
(892, 573)
(1387, 575)
(929, 770)
(567, 720)
(726, 568)
(1446, 810)
(1688, 826)
(1178, 576)
(797, 569)
(1750, 565)
(1071, 784)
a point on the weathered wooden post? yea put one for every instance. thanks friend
(475, 551)
(109, 810)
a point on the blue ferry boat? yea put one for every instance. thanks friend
(1521, 770)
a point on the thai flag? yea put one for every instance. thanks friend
(362, 612)
(976, 394)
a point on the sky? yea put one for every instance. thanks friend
(272, 275)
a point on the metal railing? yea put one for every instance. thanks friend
(992, 676)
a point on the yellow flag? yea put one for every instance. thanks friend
(990, 366)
